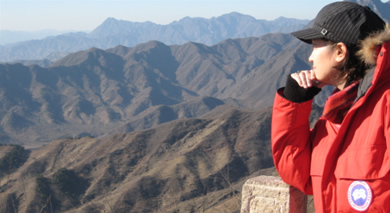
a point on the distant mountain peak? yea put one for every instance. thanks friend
(113, 32)
(236, 14)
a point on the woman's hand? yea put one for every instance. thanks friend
(306, 79)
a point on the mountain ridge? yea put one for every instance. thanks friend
(194, 159)
(113, 32)
(98, 92)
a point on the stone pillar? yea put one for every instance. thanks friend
(268, 194)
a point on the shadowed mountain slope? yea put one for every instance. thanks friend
(181, 166)
(97, 92)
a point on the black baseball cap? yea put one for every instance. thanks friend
(345, 22)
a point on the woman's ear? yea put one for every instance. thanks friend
(341, 51)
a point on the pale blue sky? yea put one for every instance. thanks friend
(85, 15)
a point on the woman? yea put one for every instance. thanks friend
(343, 161)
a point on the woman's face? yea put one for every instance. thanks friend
(325, 59)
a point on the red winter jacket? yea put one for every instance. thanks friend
(344, 162)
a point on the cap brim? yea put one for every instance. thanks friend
(307, 35)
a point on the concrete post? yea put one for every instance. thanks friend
(268, 194)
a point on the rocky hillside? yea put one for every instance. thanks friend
(188, 165)
(97, 92)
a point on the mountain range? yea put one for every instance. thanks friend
(150, 128)
(96, 92)
(188, 165)
(10, 36)
(113, 32)
(153, 127)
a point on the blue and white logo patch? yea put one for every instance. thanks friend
(359, 195)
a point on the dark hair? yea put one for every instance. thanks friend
(352, 67)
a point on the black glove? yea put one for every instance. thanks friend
(293, 92)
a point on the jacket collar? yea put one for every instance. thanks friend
(370, 46)
(365, 83)
(369, 51)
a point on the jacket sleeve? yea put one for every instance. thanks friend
(290, 140)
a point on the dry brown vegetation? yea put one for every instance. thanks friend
(190, 165)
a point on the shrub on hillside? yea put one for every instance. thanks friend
(43, 186)
(13, 159)
(69, 182)
(44, 200)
